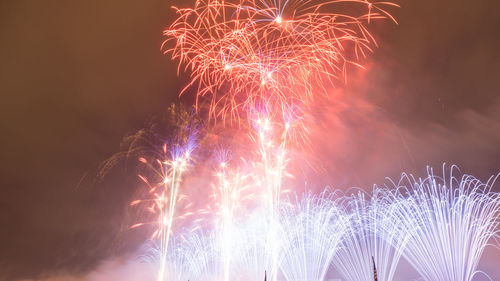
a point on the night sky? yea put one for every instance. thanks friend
(78, 76)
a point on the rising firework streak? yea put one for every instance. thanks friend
(165, 193)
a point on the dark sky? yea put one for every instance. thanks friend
(77, 76)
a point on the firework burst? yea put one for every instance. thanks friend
(247, 52)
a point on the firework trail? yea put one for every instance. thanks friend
(165, 194)
(229, 195)
(371, 237)
(451, 220)
(272, 150)
(260, 182)
(274, 53)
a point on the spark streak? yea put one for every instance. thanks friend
(441, 225)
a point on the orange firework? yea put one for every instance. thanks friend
(270, 52)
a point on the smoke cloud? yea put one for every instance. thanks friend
(122, 269)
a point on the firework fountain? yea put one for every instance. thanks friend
(451, 221)
(229, 196)
(273, 160)
(371, 236)
(312, 229)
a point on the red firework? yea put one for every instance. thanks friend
(270, 53)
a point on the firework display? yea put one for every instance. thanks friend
(228, 194)
(262, 63)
